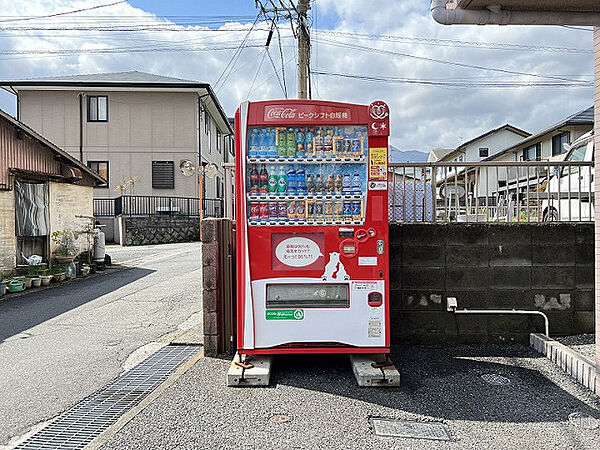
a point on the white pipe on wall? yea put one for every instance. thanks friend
(495, 15)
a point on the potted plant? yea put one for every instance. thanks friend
(46, 279)
(65, 251)
(33, 275)
(58, 272)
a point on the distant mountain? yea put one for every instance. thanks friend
(397, 155)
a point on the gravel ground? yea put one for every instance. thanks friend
(581, 343)
(329, 411)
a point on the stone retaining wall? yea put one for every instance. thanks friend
(160, 230)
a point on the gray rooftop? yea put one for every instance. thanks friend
(583, 117)
(111, 77)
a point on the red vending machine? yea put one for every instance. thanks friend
(312, 227)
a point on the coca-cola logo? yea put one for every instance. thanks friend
(378, 110)
(281, 112)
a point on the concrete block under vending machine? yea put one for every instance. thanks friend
(254, 371)
(374, 371)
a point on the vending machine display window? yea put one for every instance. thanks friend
(308, 295)
(312, 175)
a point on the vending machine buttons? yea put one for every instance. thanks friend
(375, 299)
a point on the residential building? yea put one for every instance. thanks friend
(133, 128)
(43, 189)
(480, 147)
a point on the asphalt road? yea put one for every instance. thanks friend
(329, 411)
(59, 345)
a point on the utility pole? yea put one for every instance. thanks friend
(303, 48)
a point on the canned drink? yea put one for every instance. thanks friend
(273, 214)
(356, 147)
(300, 210)
(254, 210)
(282, 210)
(310, 208)
(347, 209)
(338, 208)
(328, 209)
(264, 210)
(356, 208)
(318, 211)
(291, 210)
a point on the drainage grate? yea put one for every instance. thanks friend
(408, 429)
(85, 421)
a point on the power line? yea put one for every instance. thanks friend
(491, 85)
(257, 71)
(236, 53)
(63, 13)
(455, 43)
(440, 61)
(282, 85)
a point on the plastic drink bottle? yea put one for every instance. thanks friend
(253, 144)
(272, 149)
(282, 181)
(319, 143)
(308, 141)
(301, 180)
(347, 184)
(263, 143)
(339, 183)
(356, 184)
(300, 149)
(291, 180)
(254, 184)
(263, 180)
(272, 180)
(319, 184)
(291, 143)
(310, 183)
(281, 142)
(328, 144)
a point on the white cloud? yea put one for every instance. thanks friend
(422, 117)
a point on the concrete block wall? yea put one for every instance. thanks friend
(8, 241)
(546, 267)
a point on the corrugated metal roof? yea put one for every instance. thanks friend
(52, 147)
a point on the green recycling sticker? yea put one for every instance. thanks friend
(285, 314)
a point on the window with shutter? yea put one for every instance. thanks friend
(163, 175)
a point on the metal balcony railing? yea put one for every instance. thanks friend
(150, 205)
(495, 191)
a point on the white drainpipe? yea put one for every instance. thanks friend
(495, 15)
